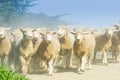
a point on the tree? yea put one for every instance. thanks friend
(12, 8)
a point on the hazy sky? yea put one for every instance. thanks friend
(97, 13)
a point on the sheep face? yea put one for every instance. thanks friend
(36, 35)
(27, 34)
(78, 37)
(61, 32)
(108, 33)
(117, 26)
(3, 32)
(48, 37)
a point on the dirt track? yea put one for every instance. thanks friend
(98, 72)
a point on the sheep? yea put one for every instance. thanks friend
(36, 40)
(25, 49)
(49, 50)
(66, 39)
(117, 26)
(5, 45)
(16, 36)
(103, 43)
(83, 49)
(115, 44)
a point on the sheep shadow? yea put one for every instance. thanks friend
(57, 69)
(99, 62)
(37, 72)
(61, 70)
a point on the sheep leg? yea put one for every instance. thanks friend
(2, 60)
(24, 65)
(71, 57)
(94, 58)
(68, 60)
(104, 58)
(54, 63)
(43, 64)
(89, 62)
(28, 69)
(113, 55)
(83, 62)
(64, 62)
(32, 67)
(6, 60)
(50, 68)
(55, 60)
(117, 56)
(78, 64)
(61, 59)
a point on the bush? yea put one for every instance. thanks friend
(7, 74)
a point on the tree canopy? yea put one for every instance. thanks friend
(11, 8)
(14, 13)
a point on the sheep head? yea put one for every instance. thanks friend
(62, 31)
(3, 32)
(48, 36)
(27, 33)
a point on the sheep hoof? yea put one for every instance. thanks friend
(105, 64)
(88, 68)
(117, 61)
(94, 62)
(82, 70)
(24, 74)
(62, 67)
(67, 67)
(79, 72)
(49, 74)
(55, 70)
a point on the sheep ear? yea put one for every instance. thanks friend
(42, 34)
(105, 29)
(63, 27)
(73, 33)
(93, 31)
(22, 30)
(7, 29)
(54, 33)
(38, 29)
(117, 26)
(58, 26)
(33, 30)
(12, 34)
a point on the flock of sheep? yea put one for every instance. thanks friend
(26, 49)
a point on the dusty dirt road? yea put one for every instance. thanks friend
(98, 72)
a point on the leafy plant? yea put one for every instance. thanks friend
(7, 74)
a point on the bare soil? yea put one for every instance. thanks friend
(98, 72)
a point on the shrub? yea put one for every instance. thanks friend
(7, 74)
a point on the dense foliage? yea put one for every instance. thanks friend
(7, 74)
(15, 13)
(10, 9)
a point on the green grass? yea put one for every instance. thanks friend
(7, 74)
